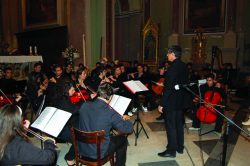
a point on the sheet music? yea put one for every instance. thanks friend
(52, 121)
(119, 103)
(141, 85)
(44, 118)
(57, 122)
(135, 86)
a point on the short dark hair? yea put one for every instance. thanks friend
(105, 91)
(210, 75)
(176, 50)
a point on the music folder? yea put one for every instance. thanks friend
(51, 121)
(135, 86)
(119, 103)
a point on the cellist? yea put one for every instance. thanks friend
(211, 85)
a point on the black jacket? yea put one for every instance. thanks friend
(19, 151)
(172, 99)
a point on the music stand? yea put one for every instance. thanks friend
(137, 121)
(134, 87)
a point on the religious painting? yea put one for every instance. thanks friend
(37, 13)
(206, 14)
(150, 36)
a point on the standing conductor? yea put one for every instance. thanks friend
(173, 102)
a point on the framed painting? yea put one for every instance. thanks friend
(206, 14)
(150, 37)
(39, 13)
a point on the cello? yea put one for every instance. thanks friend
(206, 112)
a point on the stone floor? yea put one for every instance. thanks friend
(199, 150)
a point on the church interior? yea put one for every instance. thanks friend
(214, 36)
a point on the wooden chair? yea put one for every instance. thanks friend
(96, 137)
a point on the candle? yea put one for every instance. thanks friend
(30, 51)
(35, 50)
(84, 49)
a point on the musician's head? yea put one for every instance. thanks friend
(8, 72)
(101, 72)
(210, 79)
(81, 73)
(140, 68)
(174, 52)
(38, 67)
(105, 91)
(10, 124)
(117, 70)
(68, 89)
(58, 70)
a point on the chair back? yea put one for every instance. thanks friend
(96, 137)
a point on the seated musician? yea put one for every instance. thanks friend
(98, 115)
(99, 77)
(8, 85)
(36, 84)
(66, 105)
(141, 76)
(83, 83)
(211, 85)
(158, 86)
(117, 80)
(55, 86)
(15, 146)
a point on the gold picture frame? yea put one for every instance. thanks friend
(150, 42)
(42, 13)
(207, 14)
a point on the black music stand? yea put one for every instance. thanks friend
(138, 122)
(226, 132)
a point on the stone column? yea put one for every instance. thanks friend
(173, 39)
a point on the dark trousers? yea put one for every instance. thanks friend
(175, 131)
(118, 145)
(65, 135)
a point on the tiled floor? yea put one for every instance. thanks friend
(145, 153)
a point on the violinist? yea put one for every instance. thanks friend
(99, 77)
(66, 105)
(118, 78)
(211, 85)
(83, 89)
(15, 147)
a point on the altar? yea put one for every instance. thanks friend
(22, 65)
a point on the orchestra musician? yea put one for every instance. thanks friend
(36, 85)
(141, 76)
(97, 115)
(66, 105)
(55, 86)
(15, 147)
(211, 85)
(99, 77)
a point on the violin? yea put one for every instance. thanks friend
(78, 96)
(206, 112)
(158, 88)
(4, 100)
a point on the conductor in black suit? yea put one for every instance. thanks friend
(173, 102)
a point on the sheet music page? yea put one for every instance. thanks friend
(131, 85)
(44, 118)
(57, 122)
(141, 85)
(119, 103)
